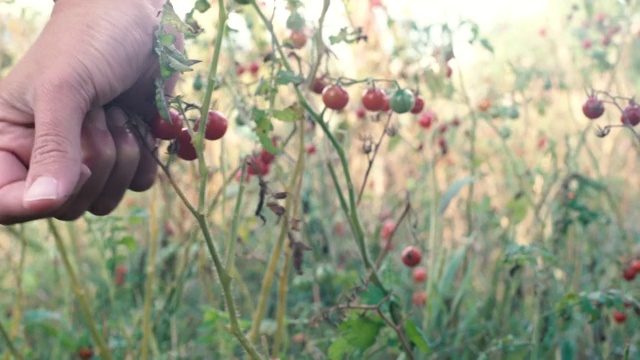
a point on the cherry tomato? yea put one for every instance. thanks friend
(388, 227)
(411, 256)
(162, 129)
(335, 97)
(318, 85)
(629, 274)
(373, 99)
(402, 101)
(427, 119)
(418, 105)
(631, 114)
(419, 274)
(216, 125)
(298, 39)
(254, 67)
(186, 150)
(484, 105)
(419, 298)
(386, 107)
(295, 21)
(619, 317)
(311, 149)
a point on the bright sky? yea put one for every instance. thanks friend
(483, 12)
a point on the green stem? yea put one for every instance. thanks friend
(206, 104)
(282, 291)
(79, 292)
(7, 340)
(148, 286)
(231, 241)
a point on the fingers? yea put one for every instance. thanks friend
(147, 167)
(126, 163)
(99, 155)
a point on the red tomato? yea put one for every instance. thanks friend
(418, 105)
(335, 97)
(318, 85)
(373, 99)
(629, 274)
(386, 107)
(388, 227)
(419, 274)
(619, 317)
(419, 298)
(216, 125)
(427, 119)
(298, 39)
(254, 67)
(411, 256)
(186, 150)
(162, 129)
(311, 149)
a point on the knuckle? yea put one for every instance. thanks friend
(52, 147)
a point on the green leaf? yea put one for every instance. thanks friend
(284, 77)
(161, 103)
(339, 349)
(360, 332)
(451, 270)
(287, 115)
(342, 36)
(416, 336)
(169, 17)
(452, 191)
(263, 88)
(129, 242)
(165, 39)
(485, 44)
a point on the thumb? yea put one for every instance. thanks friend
(55, 169)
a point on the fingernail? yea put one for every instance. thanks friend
(44, 188)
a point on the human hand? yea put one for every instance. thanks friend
(62, 152)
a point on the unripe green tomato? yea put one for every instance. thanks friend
(402, 101)
(198, 84)
(295, 21)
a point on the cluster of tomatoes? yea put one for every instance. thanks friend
(374, 99)
(215, 128)
(593, 108)
(411, 257)
(253, 68)
(629, 274)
